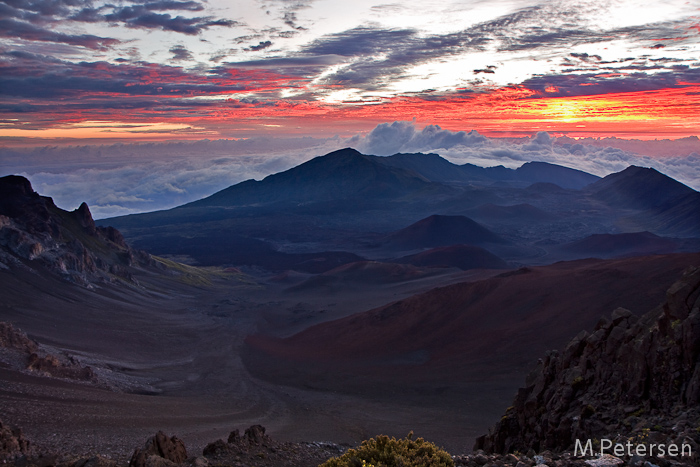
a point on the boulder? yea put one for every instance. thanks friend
(160, 451)
(12, 443)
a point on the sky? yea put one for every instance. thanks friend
(136, 105)
(192, 69)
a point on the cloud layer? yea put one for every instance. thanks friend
(129, 178)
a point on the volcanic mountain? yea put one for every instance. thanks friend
(341, 175)
(436, 230)
(679, 216)
(346, 206)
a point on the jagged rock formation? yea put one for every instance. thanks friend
(632, 379)
(34, 230)
(160, 451)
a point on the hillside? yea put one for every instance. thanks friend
(467, 332)
(464, 257)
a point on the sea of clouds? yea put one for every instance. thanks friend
(123, 179)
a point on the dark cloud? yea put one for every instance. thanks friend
(387, 53)
(25, 18)
(180, 52)
(25, 75)
(289, 9)
(556, 27)
(219, 55)
(22, 30)
(488, 69)
(290, 19)
(362, 41)
(164, 21)
(38, 10)
(602, 83)
(584, 57)
(261, 46)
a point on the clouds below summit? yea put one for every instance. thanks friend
(129, 178)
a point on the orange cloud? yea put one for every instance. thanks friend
(510, 111)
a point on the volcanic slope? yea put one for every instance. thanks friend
(463, 340)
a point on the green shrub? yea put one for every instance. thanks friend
(391, 452)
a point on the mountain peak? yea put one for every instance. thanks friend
(84, 217)
(340, 175)
(344, 152)
(638, 188)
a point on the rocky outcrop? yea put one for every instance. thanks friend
(630, 379)
(34, 232)
(21, 353)
(160, 451)
(255, 448)
(51, 365)
(12, 443)
(13, 338)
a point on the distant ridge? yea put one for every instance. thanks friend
(437, 169)
(545, 172)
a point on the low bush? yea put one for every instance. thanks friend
(383, 451)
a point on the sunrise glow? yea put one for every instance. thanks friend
(190, 70)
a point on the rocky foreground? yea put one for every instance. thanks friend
(256, 449)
